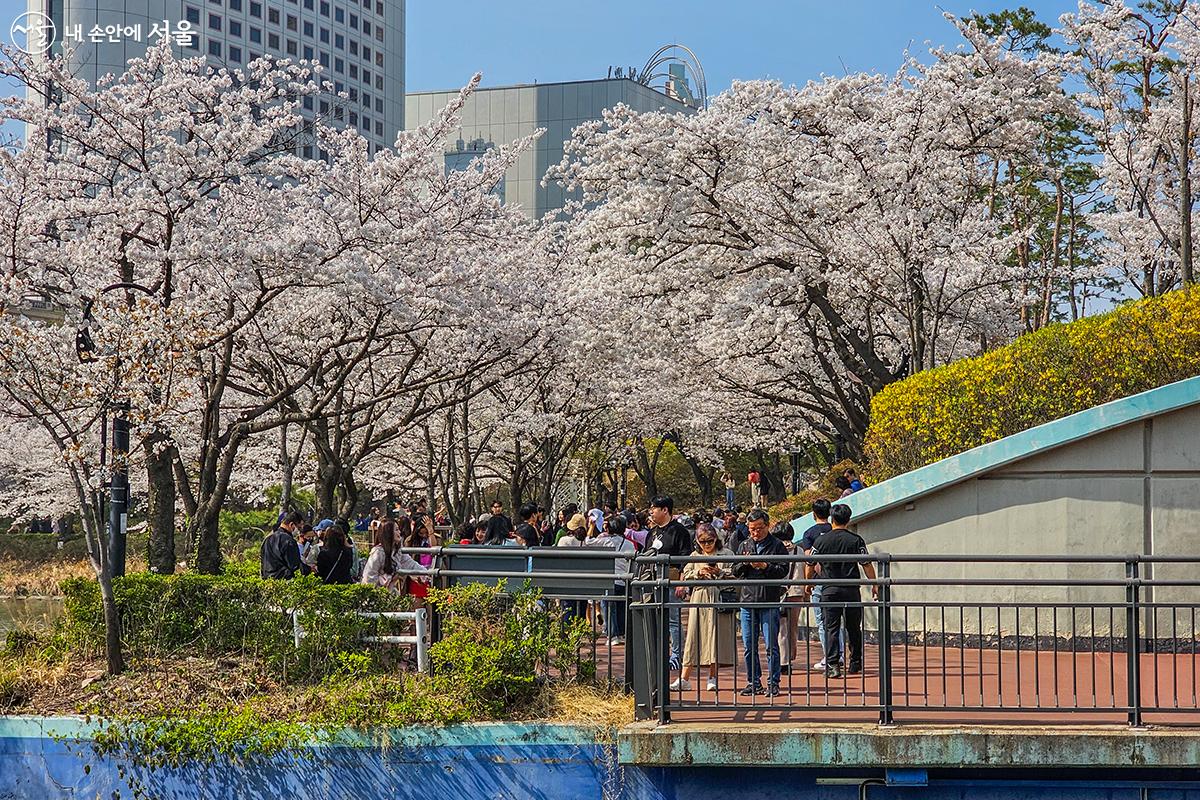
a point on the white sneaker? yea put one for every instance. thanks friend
(819, 666)
(712, 684)
(617, 640)
(679, 684)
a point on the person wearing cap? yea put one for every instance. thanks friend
(595, 522)
(576, 532)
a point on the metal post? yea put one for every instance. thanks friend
(885, 644)
(663, 695)
(626, 679)
(118, 510)
(1132, 637)
(297, 631)
(422, 644)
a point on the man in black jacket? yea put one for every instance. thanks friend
(764, 619)
(280, 553)
(667, 536)
(842, 600)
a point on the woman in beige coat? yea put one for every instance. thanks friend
(710, 634)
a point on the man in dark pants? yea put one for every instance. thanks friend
(840, 601)
(756, 619)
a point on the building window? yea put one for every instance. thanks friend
(366, 27)
(235, 54)
(367, 123)
(324, 8)
(366, 76)
(214, 48)
(353, 118)
(366, 52)
(215, 2)
(193, 16)
(324, 35)
(308, 5)
(353, 47)
(379, 7)
(338, 86)
(339, 14)
(273, 16)
(339, 65)
(307, 150)
(292, 48)
(308, 102)
(325, 60)
(308, 53)
(379, 34)
(354, 94)
(324, 106)
(253, 57)
(235, 28)
(378, 128)
(379, 82)
(354, 71)
(378, 105)
(214, 22)
(255, 9)
(273, 41)
(354, 20)
(378, 59)
(193, 41)
(308, 29)
(256, 34)
(235, 5)
(339, 41)
(293, 24)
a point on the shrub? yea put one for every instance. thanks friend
(1042, 376)
(216, 615)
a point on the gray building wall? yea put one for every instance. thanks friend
(503, 114)
(1133, 489)
(303, 29)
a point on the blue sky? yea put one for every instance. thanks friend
(519, 41)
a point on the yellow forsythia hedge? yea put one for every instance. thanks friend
(1042, 376)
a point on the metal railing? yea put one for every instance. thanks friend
(962, 638)
(1097, 638)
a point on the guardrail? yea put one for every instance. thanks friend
(419, 638)
(1098, 638)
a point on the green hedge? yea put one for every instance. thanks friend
(224, 615)
(1042, 376)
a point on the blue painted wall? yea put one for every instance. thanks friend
(508, 761)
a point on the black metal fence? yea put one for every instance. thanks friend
(1051, 638)
(963, 638)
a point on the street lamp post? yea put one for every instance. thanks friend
(118, 484)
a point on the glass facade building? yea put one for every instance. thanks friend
(495, 116)
(360, 43)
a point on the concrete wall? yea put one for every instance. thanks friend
(1133, 489)
(501, 115)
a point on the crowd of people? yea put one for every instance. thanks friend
(760, 599)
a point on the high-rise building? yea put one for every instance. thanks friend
(360, 43)
(500, 115)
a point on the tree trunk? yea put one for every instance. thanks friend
(112, 626)
(1185, 189)
(160, 505)
(325, 487)
(206, 532)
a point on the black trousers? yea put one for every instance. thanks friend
(832, 617)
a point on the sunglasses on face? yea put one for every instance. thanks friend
(707, 541)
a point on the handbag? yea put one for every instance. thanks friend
(728, 599)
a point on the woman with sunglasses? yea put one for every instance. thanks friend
(710, 632)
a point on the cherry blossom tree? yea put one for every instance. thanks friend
(808, 246)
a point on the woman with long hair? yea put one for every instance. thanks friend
(334, 558)
(498, 530)
(385, 560)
